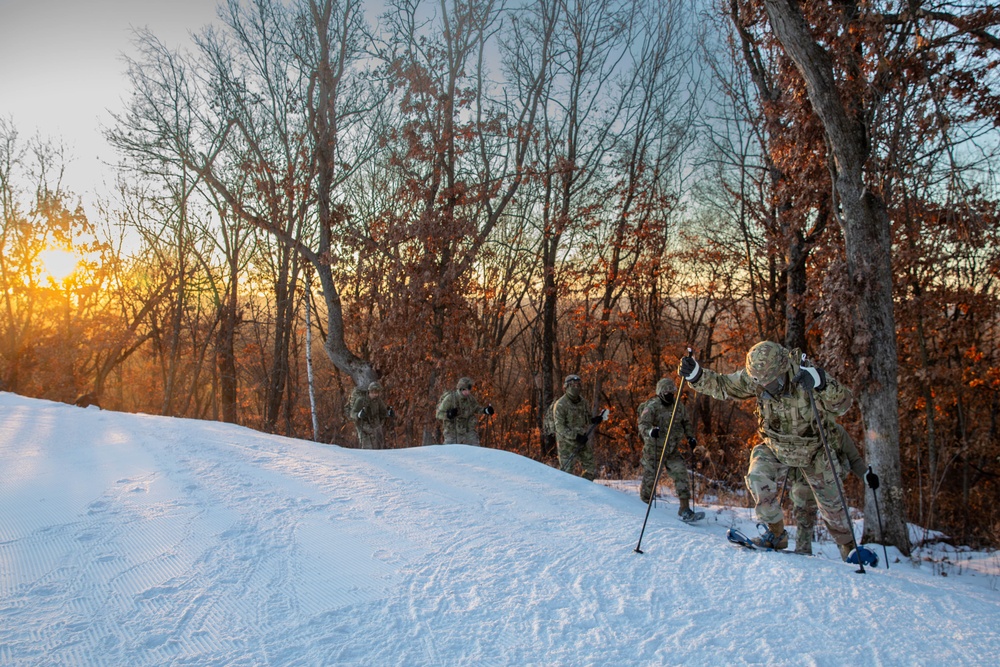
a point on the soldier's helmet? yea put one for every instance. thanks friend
(766, 362)
(665, 386)
(571, 378)
(465, 383)
(374, 386)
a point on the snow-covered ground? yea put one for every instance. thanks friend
(139, 540)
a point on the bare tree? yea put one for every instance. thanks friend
(258, 116)
(590, 42)
(645, 185)
(461, 152)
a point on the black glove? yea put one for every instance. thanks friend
(654, 432)
(389, 412)
(452, 413)
(488, 410)
(581, 439)
(361, 413)
(871, 478)
(597, 419)
(689, 369)
(692, 443)
(810, 378)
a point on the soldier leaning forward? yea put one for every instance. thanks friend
(788, 431)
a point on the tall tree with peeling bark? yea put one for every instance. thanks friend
(850, 60)
(867, 237)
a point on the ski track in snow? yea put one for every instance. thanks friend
(139, 540)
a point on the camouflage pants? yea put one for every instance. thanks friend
(765, 469)
(804, 504)
(457, 437)
(572, 453)
(371, 437)
(673, 465)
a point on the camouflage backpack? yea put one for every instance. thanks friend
(549, 420)
(349, 404)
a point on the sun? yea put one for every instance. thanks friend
(58, 264)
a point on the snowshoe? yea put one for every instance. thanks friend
(738, 538)
(865, 556)
(768, 540)
(690, 516)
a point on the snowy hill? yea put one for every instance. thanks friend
(139, 540)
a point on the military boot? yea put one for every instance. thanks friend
(646, 487)
(688, 515)
(776, 537)
(845, 550)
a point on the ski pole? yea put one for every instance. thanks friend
(659, 466)
(872, 480)
(836, 478)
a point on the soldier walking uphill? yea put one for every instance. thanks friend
(458, 412)
(574, 426)
(369, 414)
(654, 421)
(788, 431)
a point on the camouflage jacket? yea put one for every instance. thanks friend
(785, 423)
(375, 411)
(465, 422)
(654, 413)
(572, 418)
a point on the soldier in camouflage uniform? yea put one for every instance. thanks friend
(369, 414)
(786, 426)
(458, 411)
(803, 501)
(573, 428)
(654, 419)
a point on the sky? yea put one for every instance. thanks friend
(61, 69)
(143, 540)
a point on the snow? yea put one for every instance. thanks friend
(141, 540)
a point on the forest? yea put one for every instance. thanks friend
(311, 196)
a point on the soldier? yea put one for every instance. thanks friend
(803, 502)
(369, 414)
(654, 419)
(787, 429)
(459, 411)
(574, 425)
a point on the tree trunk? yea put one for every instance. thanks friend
(865, 224)
(226, 352)
(309, 364)
(550, 244)
(795, 280)
(172, 353)
(330, 67)
(284, 320)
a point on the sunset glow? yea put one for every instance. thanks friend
(58, 264)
